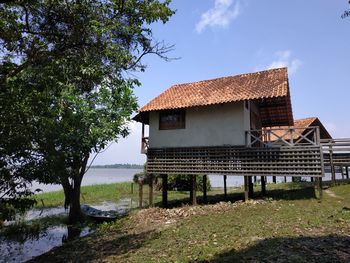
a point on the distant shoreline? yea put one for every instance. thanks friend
(119, 166)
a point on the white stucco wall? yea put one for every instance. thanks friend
(215, 125)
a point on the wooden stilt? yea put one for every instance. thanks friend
(263, 185)
(225, 187)
(332, 165)
(311, 179)
(285, 179)
(347, 172)
(319, 187)
(274, 179)
(255, 179)
(193, 195)
(205, 188)
(250, 187)
(150, 197)
(342, 172)
(246, 188)
(165, 190)
(141, 194)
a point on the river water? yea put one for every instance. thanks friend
(110, 175)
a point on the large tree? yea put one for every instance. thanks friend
(64, 72)
(346, 13)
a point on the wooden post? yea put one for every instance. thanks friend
(263, 185)
(250, 187)
(332, 165)
(274, 180)
(246, 188)
(347, 172)
(140, 193)
(225, 187)
(164, 190)
(150, 190)
(319, 187)
(205, 188)
(193, 195)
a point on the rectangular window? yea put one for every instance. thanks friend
(174, 119)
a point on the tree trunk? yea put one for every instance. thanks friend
(72, 190)
(74, 208)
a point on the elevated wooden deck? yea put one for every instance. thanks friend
(268, 152)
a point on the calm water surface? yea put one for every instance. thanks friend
(96, 176)
(110, 175)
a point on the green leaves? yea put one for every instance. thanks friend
(64, 93)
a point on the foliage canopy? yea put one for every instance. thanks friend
(66, 91)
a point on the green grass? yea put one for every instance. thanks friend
(92, 194)
(291, 225)
(95, 194)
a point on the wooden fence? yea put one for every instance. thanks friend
(233, 160)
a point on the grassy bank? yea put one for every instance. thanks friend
(91, 194)
(95, 194)
(290, 225)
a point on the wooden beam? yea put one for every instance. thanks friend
(225, 186)
(193, 194)
(140, 193)
(150, 193)
(205, 188)
(250, 187)
(332, 164)
(319, 187)
(164, 190)
(263, 185)
(246, 188)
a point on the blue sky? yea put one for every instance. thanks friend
(215, 38)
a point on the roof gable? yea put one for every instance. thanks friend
(269, 89)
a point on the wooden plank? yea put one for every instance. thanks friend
(250, 187)
(205, 188)
(193, 192)
(263, 185)
(140, 194)
(150, 193)
(246, 188)
(165, 190)
(225, 186)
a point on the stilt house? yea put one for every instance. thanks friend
(223, 126)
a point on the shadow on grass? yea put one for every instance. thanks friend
(299, 249)
(96, 248)
(291, 191)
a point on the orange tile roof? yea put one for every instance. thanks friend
(260, 85)
(268, 88)
(300, 127)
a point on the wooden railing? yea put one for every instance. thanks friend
(277, 137)
(336, 151)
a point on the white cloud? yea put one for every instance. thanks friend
(221, 15)
(284, 59)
